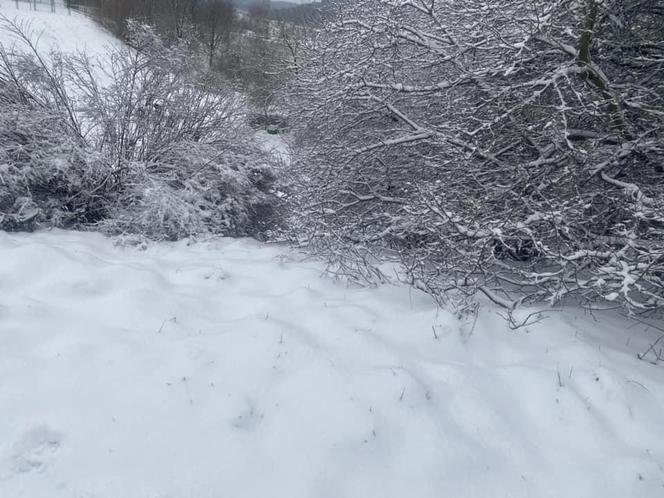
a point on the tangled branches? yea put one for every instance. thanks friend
(513, 147)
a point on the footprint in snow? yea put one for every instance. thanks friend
(35, 449)
(248, 419)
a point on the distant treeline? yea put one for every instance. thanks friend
(173, 18)
(309, 13)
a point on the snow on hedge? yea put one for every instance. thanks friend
(234, 369)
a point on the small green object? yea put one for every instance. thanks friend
(273, 130)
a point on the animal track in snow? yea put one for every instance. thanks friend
(35, 449)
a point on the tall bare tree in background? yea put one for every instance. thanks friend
(176, 15)
(512, 147)
(260, 56)
(215, 19)
(170, 16)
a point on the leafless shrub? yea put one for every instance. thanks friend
(513, 148)
(138, 144)
(47, 176)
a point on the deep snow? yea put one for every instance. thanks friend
(234, 369)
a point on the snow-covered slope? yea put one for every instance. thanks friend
(57, 30)
(234, 369)
(275, 145)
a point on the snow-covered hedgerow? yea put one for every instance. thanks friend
(509, 147)
(136, 144)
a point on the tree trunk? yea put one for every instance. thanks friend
(587, 35)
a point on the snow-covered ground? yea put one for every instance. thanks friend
(276, 145)
(234, 369)
(59, 30)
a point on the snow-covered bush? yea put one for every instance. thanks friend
(510, 147)
(197, 189)
(46, 176)
(138, 143)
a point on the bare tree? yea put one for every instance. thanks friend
(215, 19)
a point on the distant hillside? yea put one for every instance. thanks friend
(276, 4)
(283, 5)
(283, 10)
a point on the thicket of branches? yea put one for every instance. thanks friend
(512, 147)
(137, 144)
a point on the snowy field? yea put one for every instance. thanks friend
(234, 369)
(68, 33)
